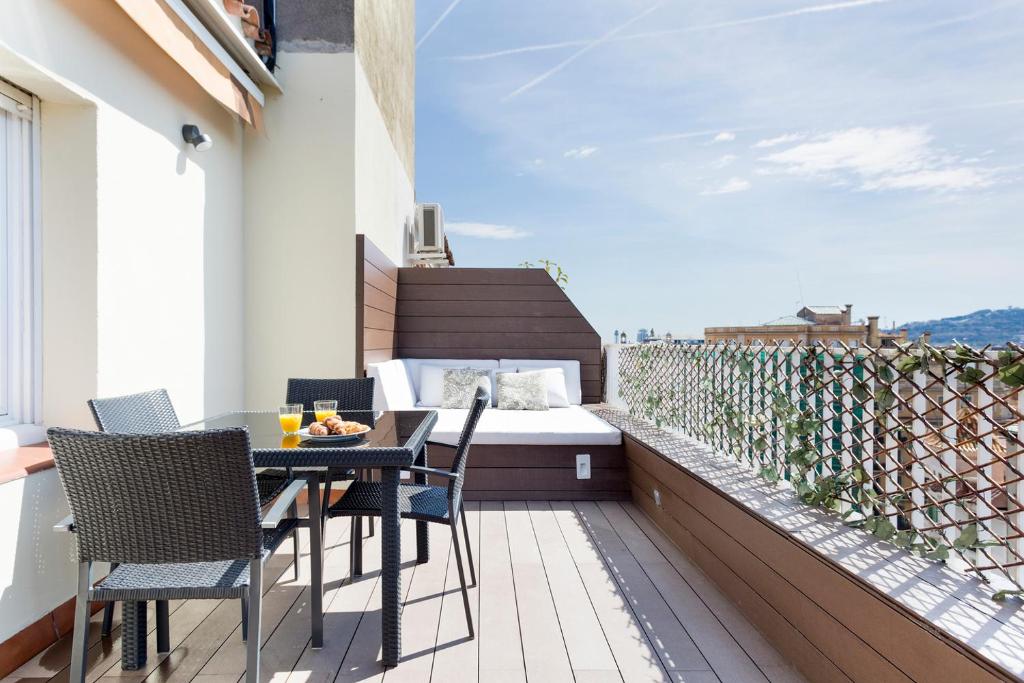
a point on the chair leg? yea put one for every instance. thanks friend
(252, 649)
(369, 477)
(108, 612)
(351, 549)
(80, 636)
(163, 627)
(462, 575)
(469, 546)
(245, 619)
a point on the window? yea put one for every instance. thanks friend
(19, 254)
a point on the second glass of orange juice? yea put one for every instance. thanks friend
(291, 418)
(324, 409)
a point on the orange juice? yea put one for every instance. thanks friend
(291, 441)
(291, 422)
(322, 415)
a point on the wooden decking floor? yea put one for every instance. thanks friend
(586, 592)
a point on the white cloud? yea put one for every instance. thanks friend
(881, 159)
(487, 231)
(725, 136)
(723, 161)
(730, 186)
(580, 152)
(780, 140)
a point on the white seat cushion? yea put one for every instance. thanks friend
(571, 368)
(393, 387)
(572, 426)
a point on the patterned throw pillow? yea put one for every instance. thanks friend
(458, 386)
(526, 391)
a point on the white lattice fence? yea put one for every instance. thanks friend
(921, 446)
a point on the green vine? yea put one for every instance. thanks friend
(560, 277)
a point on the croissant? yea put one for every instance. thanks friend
(317, 429)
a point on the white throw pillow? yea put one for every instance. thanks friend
(554, 379)
(517, 391)
(431, 385)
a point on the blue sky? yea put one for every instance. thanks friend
(693, 163)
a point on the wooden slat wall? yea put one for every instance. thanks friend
(496, 472)
(819, 617)
(376, 302)
(494, 313)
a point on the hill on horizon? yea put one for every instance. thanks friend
(987, 326)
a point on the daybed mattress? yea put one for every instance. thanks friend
(572, 426)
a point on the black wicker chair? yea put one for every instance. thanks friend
(180, 515)
(438, 504)
(353, 394)
(152, 412)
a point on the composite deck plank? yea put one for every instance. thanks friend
(664, 630)
(726, 657)
(544, 649)
(767, 658)
(636, 656)
(456, 656)
(585, 641)
(344, 607)
(501, 653)
(363, 660)
(422, 612)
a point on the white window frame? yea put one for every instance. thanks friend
(20, 277)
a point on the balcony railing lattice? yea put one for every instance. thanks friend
(919, 445)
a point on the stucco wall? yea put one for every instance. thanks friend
(385, 39)
(300, 235)
(142, 259)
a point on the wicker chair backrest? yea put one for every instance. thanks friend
(352, 394)
(150, 412)
(163, 498)
(480, 401)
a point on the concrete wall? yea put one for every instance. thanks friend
(142, 259)
(385, 37)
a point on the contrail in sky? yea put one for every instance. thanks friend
(543, 47)
(579, 53)
(440, 20)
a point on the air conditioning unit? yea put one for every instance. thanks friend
(429, 237)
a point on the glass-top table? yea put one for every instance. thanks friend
(397, 439)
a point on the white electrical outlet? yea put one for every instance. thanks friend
(657, 497)
(583, 465)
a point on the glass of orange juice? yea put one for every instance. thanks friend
(324, 409)
(291, 417)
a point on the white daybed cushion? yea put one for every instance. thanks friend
(571, 368)
(392, 388)
(413, 367)
(572, 426)
(554, 380)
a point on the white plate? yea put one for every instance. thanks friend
(332, 438)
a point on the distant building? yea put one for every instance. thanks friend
(642, 335)
(825, 324)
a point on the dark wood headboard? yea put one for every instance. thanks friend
(376, 299)
(494, 313)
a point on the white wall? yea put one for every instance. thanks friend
(142, 260)
(299, 235)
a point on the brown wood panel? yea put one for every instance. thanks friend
(488, 309)
(377, 319)
(810, 592)
(375, 298)
(492, 340)
(519, 324)
(474, 276)
(497, 455)
(584, 356)
(376, 287)
(480, 293)
(546, 495)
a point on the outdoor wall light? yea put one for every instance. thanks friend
(195, 137)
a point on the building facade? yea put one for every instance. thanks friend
(144, 262)
(830, 325)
